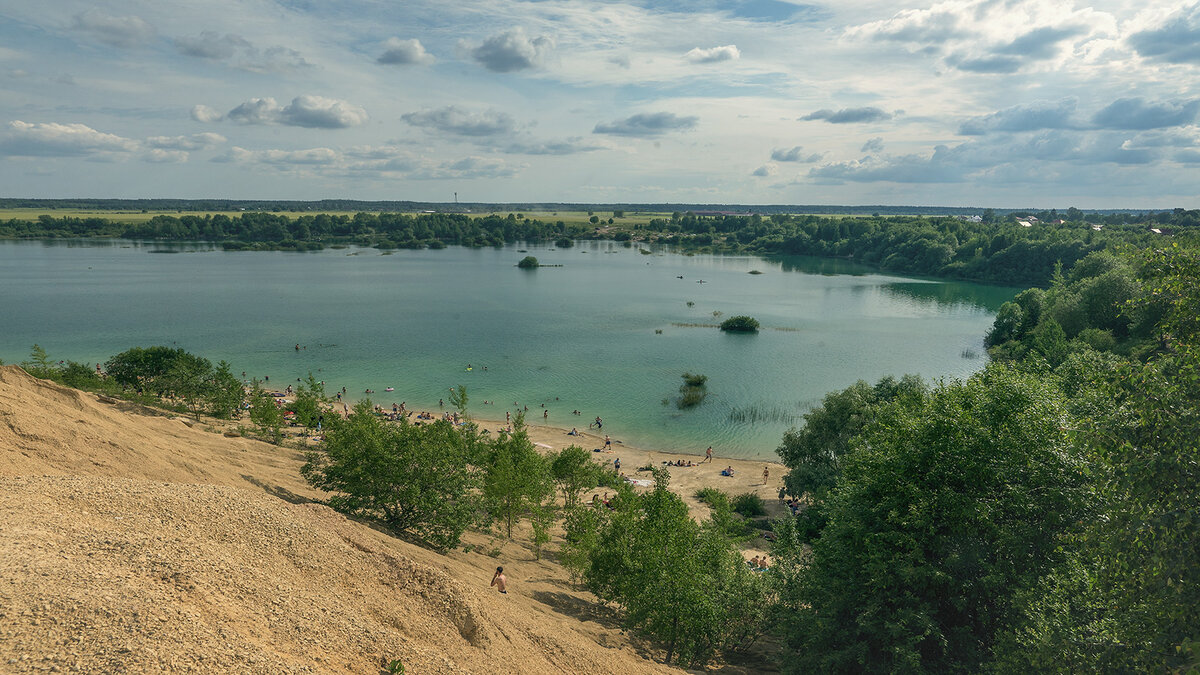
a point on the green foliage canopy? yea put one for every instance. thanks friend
(417, 479)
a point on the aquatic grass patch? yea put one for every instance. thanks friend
(760, 412)
(679, 324)
(693, 391)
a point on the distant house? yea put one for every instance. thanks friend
(1024, 223)
(1097, 227)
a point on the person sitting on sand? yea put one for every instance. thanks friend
(573, 432)
(499, 581)
(728, 471)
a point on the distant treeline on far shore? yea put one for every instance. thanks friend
(1020, 248)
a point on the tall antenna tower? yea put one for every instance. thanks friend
(456, 199)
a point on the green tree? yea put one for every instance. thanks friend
(528, 262)
(310, 402)
(684, 586)
(39, 363)
(264, 414)
(190, 380)
(146, 368)
(417, 479)
(815, 452)
(459, 399)
(518, 480)
(227, 395)
(952, 506)
(573, 472)
(581, 537)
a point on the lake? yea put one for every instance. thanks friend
(582, 336)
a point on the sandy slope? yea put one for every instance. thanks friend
(130, 542)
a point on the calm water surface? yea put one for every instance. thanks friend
(581, 336)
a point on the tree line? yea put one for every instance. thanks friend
(998, 250)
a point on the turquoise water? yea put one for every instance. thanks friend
(581, 336)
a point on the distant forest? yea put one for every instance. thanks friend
(354, 205)
(1015, 249)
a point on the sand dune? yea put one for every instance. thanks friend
(131, 542)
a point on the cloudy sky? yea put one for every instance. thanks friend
(1048, 103)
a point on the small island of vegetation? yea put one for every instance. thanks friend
(740, 324)
(528, 262)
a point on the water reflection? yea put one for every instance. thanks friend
(950, 294)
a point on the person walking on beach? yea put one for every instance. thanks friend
(499, 581)
(708, 454)
(766, 474)
(607, 442)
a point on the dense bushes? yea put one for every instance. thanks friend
(1035, 517)
(740, 324)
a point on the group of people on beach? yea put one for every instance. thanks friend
(759, 563)
(680, 462)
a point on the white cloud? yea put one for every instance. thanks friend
(873, 145)
(193, 142)
(211, 45)
(256, 111)
(568, 146)
(849, 115)
(322, 113)
(794, 154)
(1136, 113)
(453, 120)
(511, 51)
(989, 37)
(160, 156)
(404, 52)
(713, 54)
(1024, 117)
(203, 113)
(1175, 40)
(307, 157)
(647, 125)
(314, 112)
(238, 52)
(371, 161)
(24, 139)
(118, 31)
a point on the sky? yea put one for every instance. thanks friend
(1001, 103)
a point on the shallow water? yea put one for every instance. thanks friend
(581, 336)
